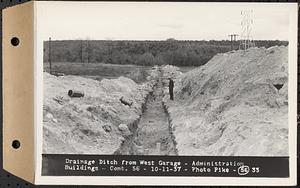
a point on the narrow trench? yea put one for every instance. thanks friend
(151, 133)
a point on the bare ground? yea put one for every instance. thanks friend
(152, 135)
(235, 105)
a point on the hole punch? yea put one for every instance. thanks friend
(15, 41)
(16, 144)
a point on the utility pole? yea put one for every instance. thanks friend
(88, 51)
(85, 50)
(81, 51)
(50, 63)
(232, 40)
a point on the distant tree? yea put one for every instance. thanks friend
(117, 57)
(159, 60)
(170, 51)
(146, 59)
(171, 39)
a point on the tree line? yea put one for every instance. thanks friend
(147, 53)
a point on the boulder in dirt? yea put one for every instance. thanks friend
(107, 128)
(92, 109)
(124, 130)
(123, 127)
(49, 116)
(126, 101)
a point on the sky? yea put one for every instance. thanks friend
(159, 21)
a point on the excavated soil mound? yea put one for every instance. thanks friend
(90, 124)
(236, 104)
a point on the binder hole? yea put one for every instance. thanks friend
(15, 41)
(16, 144)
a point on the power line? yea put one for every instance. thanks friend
(246, 40)
(233, 40)
(50, 62)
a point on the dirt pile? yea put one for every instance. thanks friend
(90, 124)
(236, 104)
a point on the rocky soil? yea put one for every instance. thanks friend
(235, 105)
(96, 123)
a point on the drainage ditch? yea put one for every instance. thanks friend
(152, 133)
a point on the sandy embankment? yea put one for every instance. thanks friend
(89, 125)
(231, 106)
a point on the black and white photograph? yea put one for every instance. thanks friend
(209, 84)
(167, 79)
